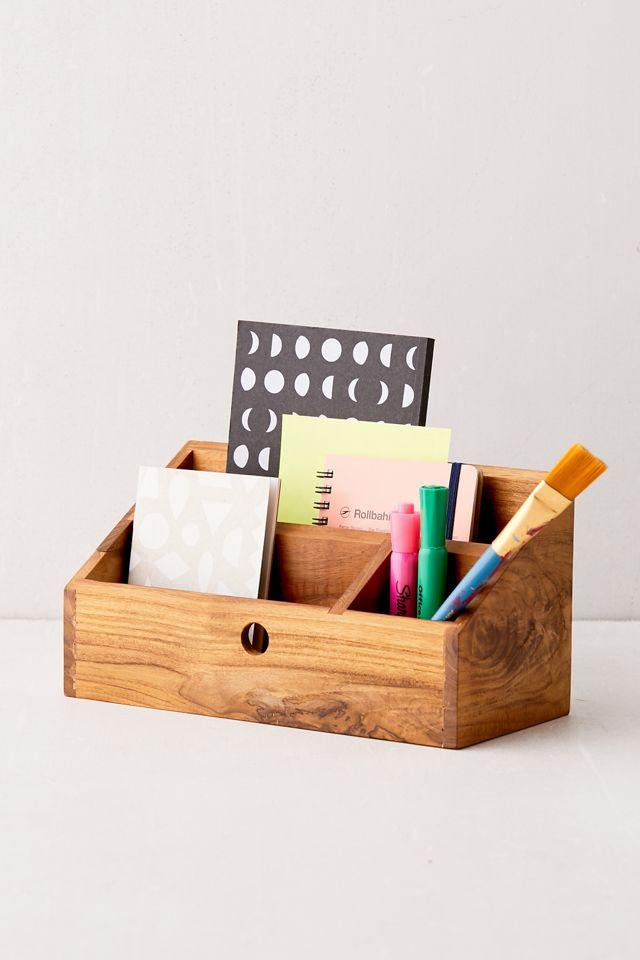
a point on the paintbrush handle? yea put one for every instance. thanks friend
(540, 507)
(471, 584)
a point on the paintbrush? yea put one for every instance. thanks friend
(571, 475)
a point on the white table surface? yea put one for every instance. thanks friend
(138, 833)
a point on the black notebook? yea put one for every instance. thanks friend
(316, 371)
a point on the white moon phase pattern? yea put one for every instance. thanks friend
(263, 458)
(331, 350)
(276, 345)
(361, 352)
(407, 396)
(273, 381)
(241, 456)
(385, 354)
(301, 384)
(248, 379)
(309, 371)
(302, 347)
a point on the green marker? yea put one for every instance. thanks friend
(432, 558)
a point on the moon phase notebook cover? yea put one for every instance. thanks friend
(316, 371)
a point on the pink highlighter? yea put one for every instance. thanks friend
(405, 543)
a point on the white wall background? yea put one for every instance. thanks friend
(461, 168)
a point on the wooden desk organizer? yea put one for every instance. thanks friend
(334, 660)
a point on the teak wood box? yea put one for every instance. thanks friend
(335, 661)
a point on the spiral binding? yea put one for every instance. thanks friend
(321, 506)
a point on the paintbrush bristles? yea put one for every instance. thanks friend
(575, 471)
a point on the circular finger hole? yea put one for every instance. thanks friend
(255, 638)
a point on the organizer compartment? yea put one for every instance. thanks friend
(334, 660)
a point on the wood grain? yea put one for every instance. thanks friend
(310, 565)
(450, 686)
(513, 666)
(356, 674)
(69, 639)
(209, 456)
(498, 668)
(316, 565)
(368, 583)
(370, 590)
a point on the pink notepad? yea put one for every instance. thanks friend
(360, 492)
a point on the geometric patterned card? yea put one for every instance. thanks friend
(317, 371)
(201, 531)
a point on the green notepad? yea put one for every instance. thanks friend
(307, 440)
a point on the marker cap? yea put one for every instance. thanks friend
(433, 515)
(405, 529)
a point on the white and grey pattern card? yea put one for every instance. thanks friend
(315, 371)
(202, 531)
